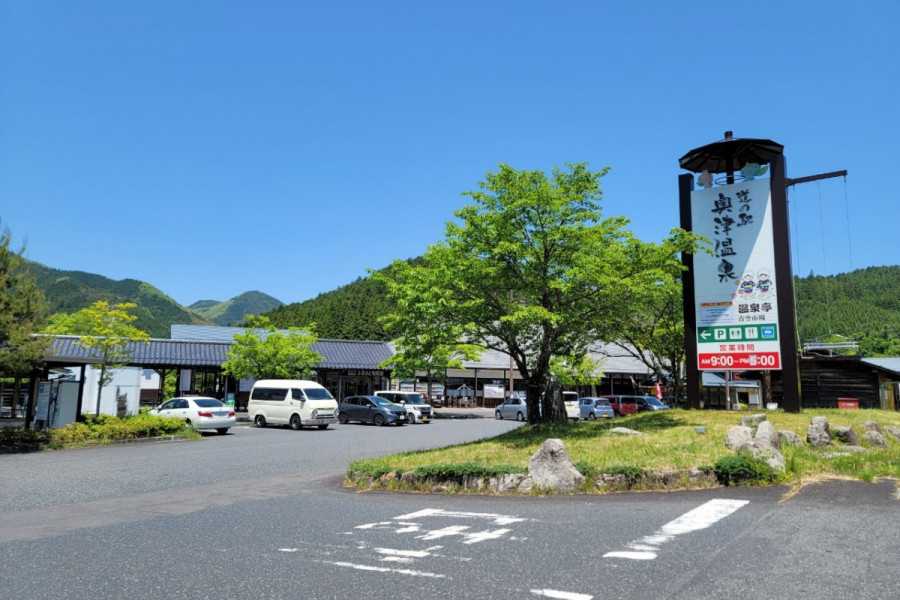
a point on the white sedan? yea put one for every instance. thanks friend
(199, 412)
(513, 408)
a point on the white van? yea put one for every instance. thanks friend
(417, 410)
(295, 402)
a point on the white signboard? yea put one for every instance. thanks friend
(494, 391)
(734, 291)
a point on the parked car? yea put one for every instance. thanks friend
(591, 408)
(295, 402)
(513, 408)
(570, 399)
(623, 405)
(417, 410)
(646, 403)
(199, 412)
(371, 409)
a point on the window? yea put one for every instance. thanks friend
(181, 404)
(318, 394)
(268, 394)
(208, 403)
(297, 394)
(168, 405)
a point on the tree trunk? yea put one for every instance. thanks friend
(100, 388)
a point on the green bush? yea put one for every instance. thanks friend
(109, 428)
(632, 474)
(743, 469)
(19, 438)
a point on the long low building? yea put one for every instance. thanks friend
(195, 354)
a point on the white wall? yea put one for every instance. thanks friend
(127, 381)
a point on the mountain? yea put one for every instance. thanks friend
(231, 312)
(70, 291)
(348, 313)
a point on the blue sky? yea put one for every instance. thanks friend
(215, 147)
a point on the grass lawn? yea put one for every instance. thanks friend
(671, 444)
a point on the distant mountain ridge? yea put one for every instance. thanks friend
(71, 291)
(232, 312)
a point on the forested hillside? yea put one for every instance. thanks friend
(232, 312)
(348, 313)
(70, 291)
(863, 306)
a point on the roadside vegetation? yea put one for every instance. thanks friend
(671, 444)
(93, 431)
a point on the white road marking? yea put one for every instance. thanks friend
(406, 553)
(287, 549)
(387, 570)
(437, 534)
(474, 538)
(561, 595)
(438, 512)
(701, 517)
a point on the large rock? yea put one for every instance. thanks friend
(789, 437)
(766, 433)
(753, 420)
(551, 468)
(737, 436)
(872, 426)
(817, 433)
(846, 434)
(874, 438)
(822, 422)
(894, 431)
(763, 450)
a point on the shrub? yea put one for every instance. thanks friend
(632, 474)
(19, 438)
(743, 469)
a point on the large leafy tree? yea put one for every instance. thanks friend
(105, 329)
(22, 314)
(262, 352)
(532, 269)
(425, 340)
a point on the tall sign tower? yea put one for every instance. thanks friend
(739, 303)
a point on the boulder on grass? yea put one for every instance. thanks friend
(817, 433)
(874, 438)
(551, 468)
(753, 420)
(737, 436)
(846, 434)
(789, 437)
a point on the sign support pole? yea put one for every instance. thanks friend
(784, 283)
(691, 370)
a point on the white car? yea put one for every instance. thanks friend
(200, 412)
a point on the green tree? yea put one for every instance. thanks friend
(425, 341)
(653, 332)
(532, 269)
(22, 314)
(262, 352)
(106, 331)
